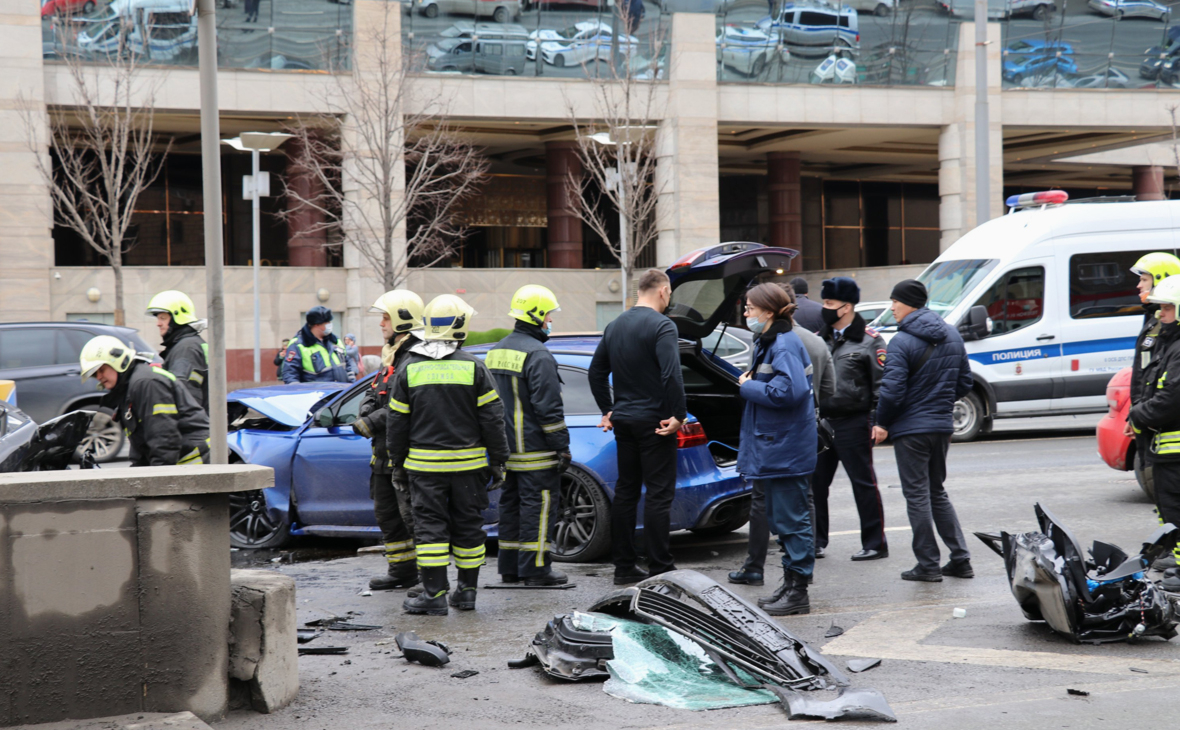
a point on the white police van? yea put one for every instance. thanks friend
(1046, 301)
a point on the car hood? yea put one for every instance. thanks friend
(289, 405)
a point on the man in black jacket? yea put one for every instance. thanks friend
(185, 354)
(646, 410)
(859, 357)
(926, 371)
(807, 313)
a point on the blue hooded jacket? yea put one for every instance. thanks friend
(778, 436)
(923, 401)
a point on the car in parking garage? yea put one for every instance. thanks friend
(1131, 9)
(583, 42)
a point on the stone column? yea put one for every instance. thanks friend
(688, 210)
(786, 203)
(305, 247)
(565, 227)
(956, 142)
(1148, 182)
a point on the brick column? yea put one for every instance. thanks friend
(786, 204)
(1148, 182)
(565, 227)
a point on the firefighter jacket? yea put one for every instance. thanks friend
(1158, 410)
(444, 413)
(187, 357)
(310, 360)
(164, 425)
(526, 377)
(1147, 347)
(374, 411)
(858, 355)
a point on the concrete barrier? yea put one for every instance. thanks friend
(115, 591)
(263, 649)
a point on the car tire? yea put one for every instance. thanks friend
(88, 7)
(430, 11)
(1144, 476)
(1017, 79)
(1040, 12)
(968, 418)
(881, 10)
(739, 518)
(559, 61)
(582, 533)
(501, 15)
(250, 525)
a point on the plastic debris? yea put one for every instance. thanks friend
(862, 665)
(323, 650)
(959, 613)
(465, 674)
(1137, 670)
(427, 653)
(833, 631)
(1077, 692)
(305, 635)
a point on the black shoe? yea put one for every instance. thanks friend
(509, 578)
(463, 599)
(424, 605)
(794, 600)
(1168, 561)
(870, 555)
(1171, 584)
(958, 569)
(552, 578)
(746, 577)
(392, 581)
(627, 577)
(773, 597)
(916, 573)
(820, 552)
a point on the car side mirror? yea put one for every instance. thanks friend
(325, 418)
(974, 325)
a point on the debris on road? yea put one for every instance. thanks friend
(1078, 692)
(426, 653)
(862, 665)
(522, 587)
(959, 613)
(465, 674)
(305, 635)
(1137, 670)
(833, 631)
(323, 650)
(1101, 599)
(849, 701)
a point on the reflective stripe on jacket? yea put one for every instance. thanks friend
(528, 382)
(309, 360)
(164, 425)
(1158, 410)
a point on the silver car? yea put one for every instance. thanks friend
(1131, 9)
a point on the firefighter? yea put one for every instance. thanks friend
(446, 429)
(185, 354)
(315, 355)
(164, 425)
(1157, 414)
(526, 377)
(401, 315)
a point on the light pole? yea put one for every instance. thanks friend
(254, 187)
(616, 181)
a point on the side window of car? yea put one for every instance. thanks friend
(811, 18)
(1016, 300)
(350, 408)
(69, 345)
(576, 397)
(463, 48)
(27, 348)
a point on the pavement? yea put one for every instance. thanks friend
(992, 668)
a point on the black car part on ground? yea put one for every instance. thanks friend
(48, 447)
(1101, 599)
(427, 653)
(566, 652)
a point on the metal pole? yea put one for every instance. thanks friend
(982, 119)
(622, 229)
(254, 155)
(211, 174)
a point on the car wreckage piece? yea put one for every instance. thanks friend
(1101, 599)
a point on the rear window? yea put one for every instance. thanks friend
(845, 21)
(1102, 284)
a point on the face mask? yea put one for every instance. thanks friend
(754, 325)
(548, 328)
(327, 329)
(830, 316)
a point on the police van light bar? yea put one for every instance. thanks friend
(1029, 200)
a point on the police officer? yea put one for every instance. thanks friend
(526, 377)
(858, 354)
(185, 354)
(164, 425)
(401, 314)
(1157, 414)
(446, 429)
(315, 355)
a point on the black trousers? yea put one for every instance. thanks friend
(529, 502)
(396, 521)
(921, 464)
(448, 519)
(852, 447)
(1166, 475)
(645, 459)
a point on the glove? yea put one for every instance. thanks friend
(400, 479)
(563, 461)
(361, 427)
(497, 477)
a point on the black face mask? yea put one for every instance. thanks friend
(830, 316)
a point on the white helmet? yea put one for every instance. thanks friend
(447, 317)
(106, 350)
(1166, 292)
(404, 308)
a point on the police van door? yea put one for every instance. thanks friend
(1020, 356)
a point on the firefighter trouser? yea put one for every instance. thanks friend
(528, 509)
(392, 509)
(448, 520)
(1166, 475)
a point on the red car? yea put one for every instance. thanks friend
(1114, 446)
(66, 7)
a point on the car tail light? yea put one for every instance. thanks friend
(691, 434)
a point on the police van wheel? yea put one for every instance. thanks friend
(1144, 477)
(252, 527)
(583, 520)
(968, 418)
(501, 15)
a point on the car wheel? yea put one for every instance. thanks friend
(88, 7)
(430, 11)
(968, 418)
(1144, 476)
(1041, 12)
(501, 15)
(251, 526)
(105, 439)
(1017, 79)
(559, 61)
(881, 10)
(740, 516)
(583, 520)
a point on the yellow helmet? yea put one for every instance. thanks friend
(106, 350)
(1159, 265)
(532, 303)
(404, 308)
(175, 303)
(1166, 292)
(447, 317)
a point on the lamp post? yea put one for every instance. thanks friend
(615, 180)
(254, 187)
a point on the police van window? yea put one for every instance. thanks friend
(1102, 285)
(576, 397)
(845, 22)
(1016, 300)
(810, 18)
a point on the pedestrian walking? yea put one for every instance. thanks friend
(527, 379)
(807, 312)
(352, 352)
(778, 439)
(446, 429)
(859, 354)
(389, 488)
(251, 7)
(926, 371)
(185, 354)
(634, 15)
(280, 356)
(645, 409)
(315, 355)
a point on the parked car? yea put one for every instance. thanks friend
(1001, 9)
(501, 11)
(42, 359)
(1112, 78)
(871, 310)
(745, 49)
(1114, 446)
(814, 29)
(322, 468)
(880, 8)
(731, 343)
(1156, 56)
(160, 30)
(1131, 9)
(66, 7)
(580, 43)
(1035, 58)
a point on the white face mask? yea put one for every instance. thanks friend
(327, 328)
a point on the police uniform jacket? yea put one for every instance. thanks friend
(164, 425)
(858, 355)
(374, 411)
(310, 360)
(1158, 410)
(187, 357)
(527, 380)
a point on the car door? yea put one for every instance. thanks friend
(44, 364)
(330, 472)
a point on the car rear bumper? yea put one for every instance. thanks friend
(1113, 445)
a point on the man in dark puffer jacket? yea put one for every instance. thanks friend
(926, 371)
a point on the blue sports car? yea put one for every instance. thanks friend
(322, 467)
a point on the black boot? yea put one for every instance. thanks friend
(397, 577)
(794, 600)
(551, 578)
(778, 593)
(432, 600)
(464, 596)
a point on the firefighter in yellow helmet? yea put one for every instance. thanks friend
(164, 425)
(185, 354)
(401, 322)
(446, 429)
(527, 379)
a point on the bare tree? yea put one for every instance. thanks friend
(382, 162)
(617, 147)
(103, 144)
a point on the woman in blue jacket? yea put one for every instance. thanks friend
(778, 439)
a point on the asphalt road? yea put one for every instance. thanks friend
(990, 669)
